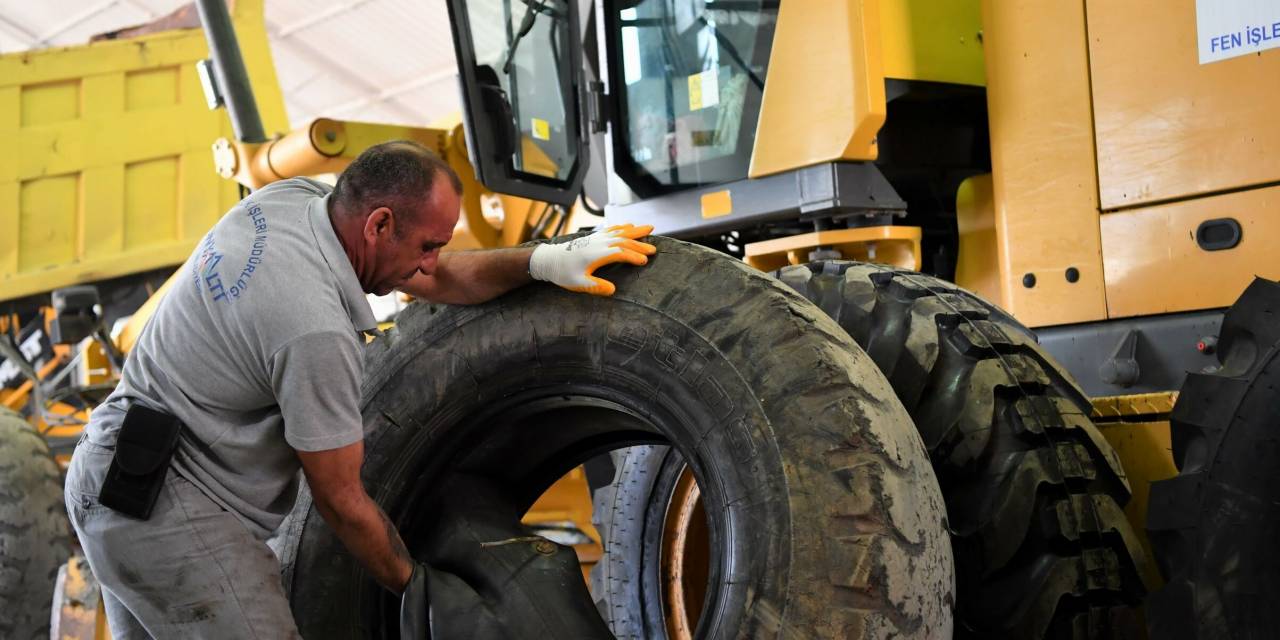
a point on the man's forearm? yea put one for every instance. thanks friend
(473, 277)
(372, 539)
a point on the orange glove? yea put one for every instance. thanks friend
(571, 264)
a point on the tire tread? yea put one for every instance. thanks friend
(34, 531)
(1028, 478)
(1221, 505)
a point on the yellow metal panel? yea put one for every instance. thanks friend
(1167, 126)
(102, 229)
(716, 204)
(126, 138)
(150, 202)
(824, 97)
(1143, 406)
(889, 244)
(1042, 160)
(9, 229)
(937, 41)
(47, 221)
(50, 103)
(10, 113)
(569, 498)
(1155, 266)
(104, 226)
(1137, 427)
(10, 108)
(106, 56)
(150, 88)
(120, 264)
(1147, 456)
(200, 201)
(103, 95)
(978, 268)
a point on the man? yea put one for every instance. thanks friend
(256, 351)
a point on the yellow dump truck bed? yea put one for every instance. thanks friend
(113, 172)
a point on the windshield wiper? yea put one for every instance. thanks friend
(526, 25)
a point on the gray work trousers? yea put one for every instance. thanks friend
(191, 570)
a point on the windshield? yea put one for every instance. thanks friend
(692, 75)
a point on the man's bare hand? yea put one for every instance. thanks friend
(334, 478)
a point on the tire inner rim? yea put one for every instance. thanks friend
(685, 557)
(513, 450)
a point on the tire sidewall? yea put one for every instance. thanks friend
(644, 361)
(35, 523)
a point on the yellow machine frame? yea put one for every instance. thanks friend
(1098, 164)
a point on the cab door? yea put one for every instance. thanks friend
(520, 66)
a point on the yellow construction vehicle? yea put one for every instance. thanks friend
(1074, 163)
(1094, 168)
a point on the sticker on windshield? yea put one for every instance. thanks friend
(541, 130)
(704, 89)
(1231, 28)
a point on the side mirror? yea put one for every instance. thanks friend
(497, 108)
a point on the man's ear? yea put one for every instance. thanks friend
(378, 223)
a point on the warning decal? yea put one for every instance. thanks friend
(704, 90)
(541, 130)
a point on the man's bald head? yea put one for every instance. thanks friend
(399, 175)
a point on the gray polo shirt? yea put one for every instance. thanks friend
(257, 350)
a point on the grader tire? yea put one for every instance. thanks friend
(1214, 527)
(34, 533)
(1034, 493)
(828, 521)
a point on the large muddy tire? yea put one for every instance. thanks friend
(1034, 493)
(34, 532)
(1214, 527)
(827, 517)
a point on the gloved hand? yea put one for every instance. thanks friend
(415, 619)
(571, 264)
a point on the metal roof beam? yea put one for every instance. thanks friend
(288, 30)
(75, 21)
(389, 94)
(25, 38)
(90, 13)
(140, 8)
(337, 68)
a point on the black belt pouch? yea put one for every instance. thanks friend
(144, 447)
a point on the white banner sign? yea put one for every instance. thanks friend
(1231, 28)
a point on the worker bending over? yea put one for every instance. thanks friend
(251, 368)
